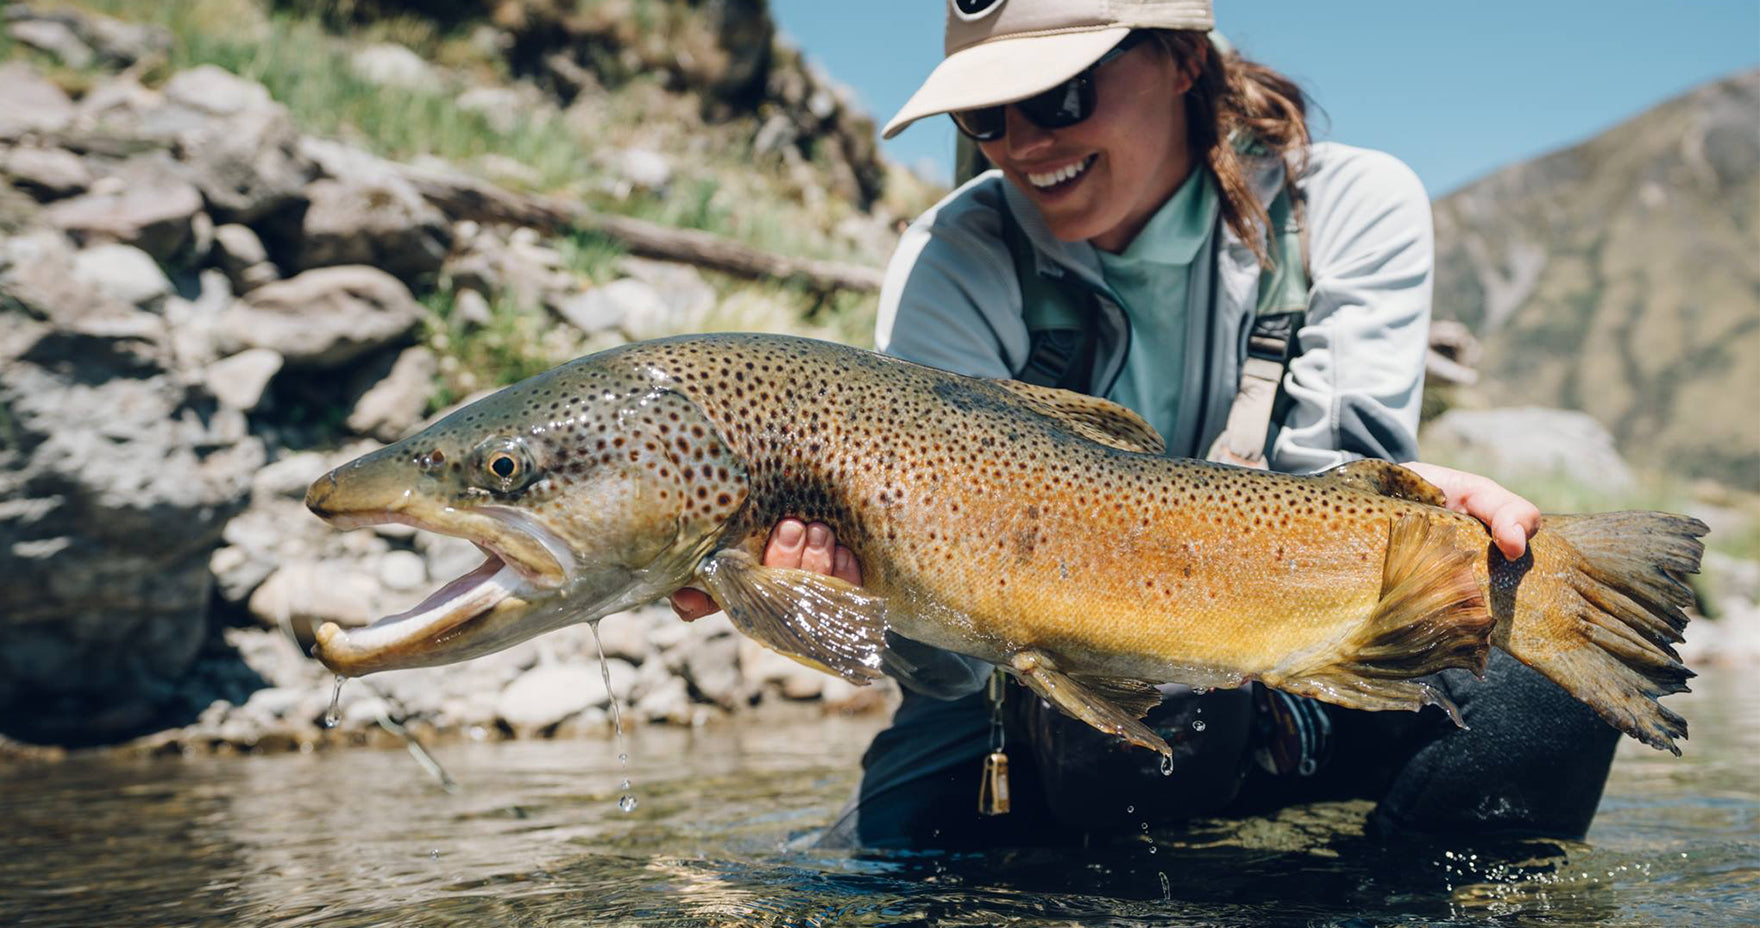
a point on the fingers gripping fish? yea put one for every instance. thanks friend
(1035, 528)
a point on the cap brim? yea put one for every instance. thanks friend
(1003, 71)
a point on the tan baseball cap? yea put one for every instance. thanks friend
(1000, 51)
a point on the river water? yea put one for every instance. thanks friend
(722, 836)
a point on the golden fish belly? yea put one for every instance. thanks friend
(1142, 572)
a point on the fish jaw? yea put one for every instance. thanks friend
(525, 566)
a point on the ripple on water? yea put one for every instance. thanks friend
(537, 837)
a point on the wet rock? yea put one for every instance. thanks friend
(322, 318)
(30, 103)
(1531, 442)
(390, 65)
(394, 404)
(383, 222)
(239, 381)
(45, 173)
(150, 207)
(123, 273)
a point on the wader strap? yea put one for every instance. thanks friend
(1061, 337)
(1277, 318)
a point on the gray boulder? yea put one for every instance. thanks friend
(323, 318)
(239, 381)
(241, 255)
(45, 173)
(387, 64)
(30, 104)
(123, 273)
(1530, 442)
(149, 206)
(55, 38)
(398, 395)
(114, 491)
(379, 221)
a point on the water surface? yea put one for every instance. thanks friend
(723, 832)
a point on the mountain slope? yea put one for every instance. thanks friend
(1622, 277)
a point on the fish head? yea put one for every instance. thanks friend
(590, 489)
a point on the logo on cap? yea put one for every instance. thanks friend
(973, 10)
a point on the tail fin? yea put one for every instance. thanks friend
(1606, 614)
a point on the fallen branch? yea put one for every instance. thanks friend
(463, 197)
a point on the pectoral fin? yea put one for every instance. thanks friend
(1109, 704)
(820, 621)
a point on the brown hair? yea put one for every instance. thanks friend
(1233, 104)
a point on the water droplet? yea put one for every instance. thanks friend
(434, 854)
(1151, 848)
(624, 784)
(627, 803)
(623, 759)
(1167, 765)
(1196, 691)
(1166, 889)
(1129, 809)
(334, 713)
(1198, 725)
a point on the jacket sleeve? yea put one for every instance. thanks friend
(1357, 385)
(950, 300)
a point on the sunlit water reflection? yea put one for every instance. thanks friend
(722, 836)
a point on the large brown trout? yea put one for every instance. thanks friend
(1034, 528)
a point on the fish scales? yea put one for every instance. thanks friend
(1037, 529)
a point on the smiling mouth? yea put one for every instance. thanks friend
(1062, 177)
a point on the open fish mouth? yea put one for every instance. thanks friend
(523, 562)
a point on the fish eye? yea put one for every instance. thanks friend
(504, 464)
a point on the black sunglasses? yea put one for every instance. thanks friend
(1064, 105)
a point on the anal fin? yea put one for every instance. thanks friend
(1432, 615)
(819, 621)
(1110, 705)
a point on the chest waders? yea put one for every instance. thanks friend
(1061, 317)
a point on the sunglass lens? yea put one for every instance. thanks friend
(984, 124)
(1064, 105)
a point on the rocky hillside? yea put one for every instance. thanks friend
(237, 249)
(1621, 277)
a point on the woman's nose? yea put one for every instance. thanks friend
(1023, 136)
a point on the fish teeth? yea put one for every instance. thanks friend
(1053, 178)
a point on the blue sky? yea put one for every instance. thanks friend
(1456, 90)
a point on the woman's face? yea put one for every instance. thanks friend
(1129, 156)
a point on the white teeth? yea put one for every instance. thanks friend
(1053, 178)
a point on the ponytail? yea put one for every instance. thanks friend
(1236, 105)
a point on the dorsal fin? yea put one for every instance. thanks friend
(1386, 479)
(1091, 417)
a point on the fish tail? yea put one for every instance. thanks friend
(1432, 615)
(1609, 608)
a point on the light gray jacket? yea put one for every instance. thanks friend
(951, 299)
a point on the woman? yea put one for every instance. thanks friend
(1163, 191)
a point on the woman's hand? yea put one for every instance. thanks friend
(794, 544)
(1512, 519)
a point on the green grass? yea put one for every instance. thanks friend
(510, 348)
(591, 255)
